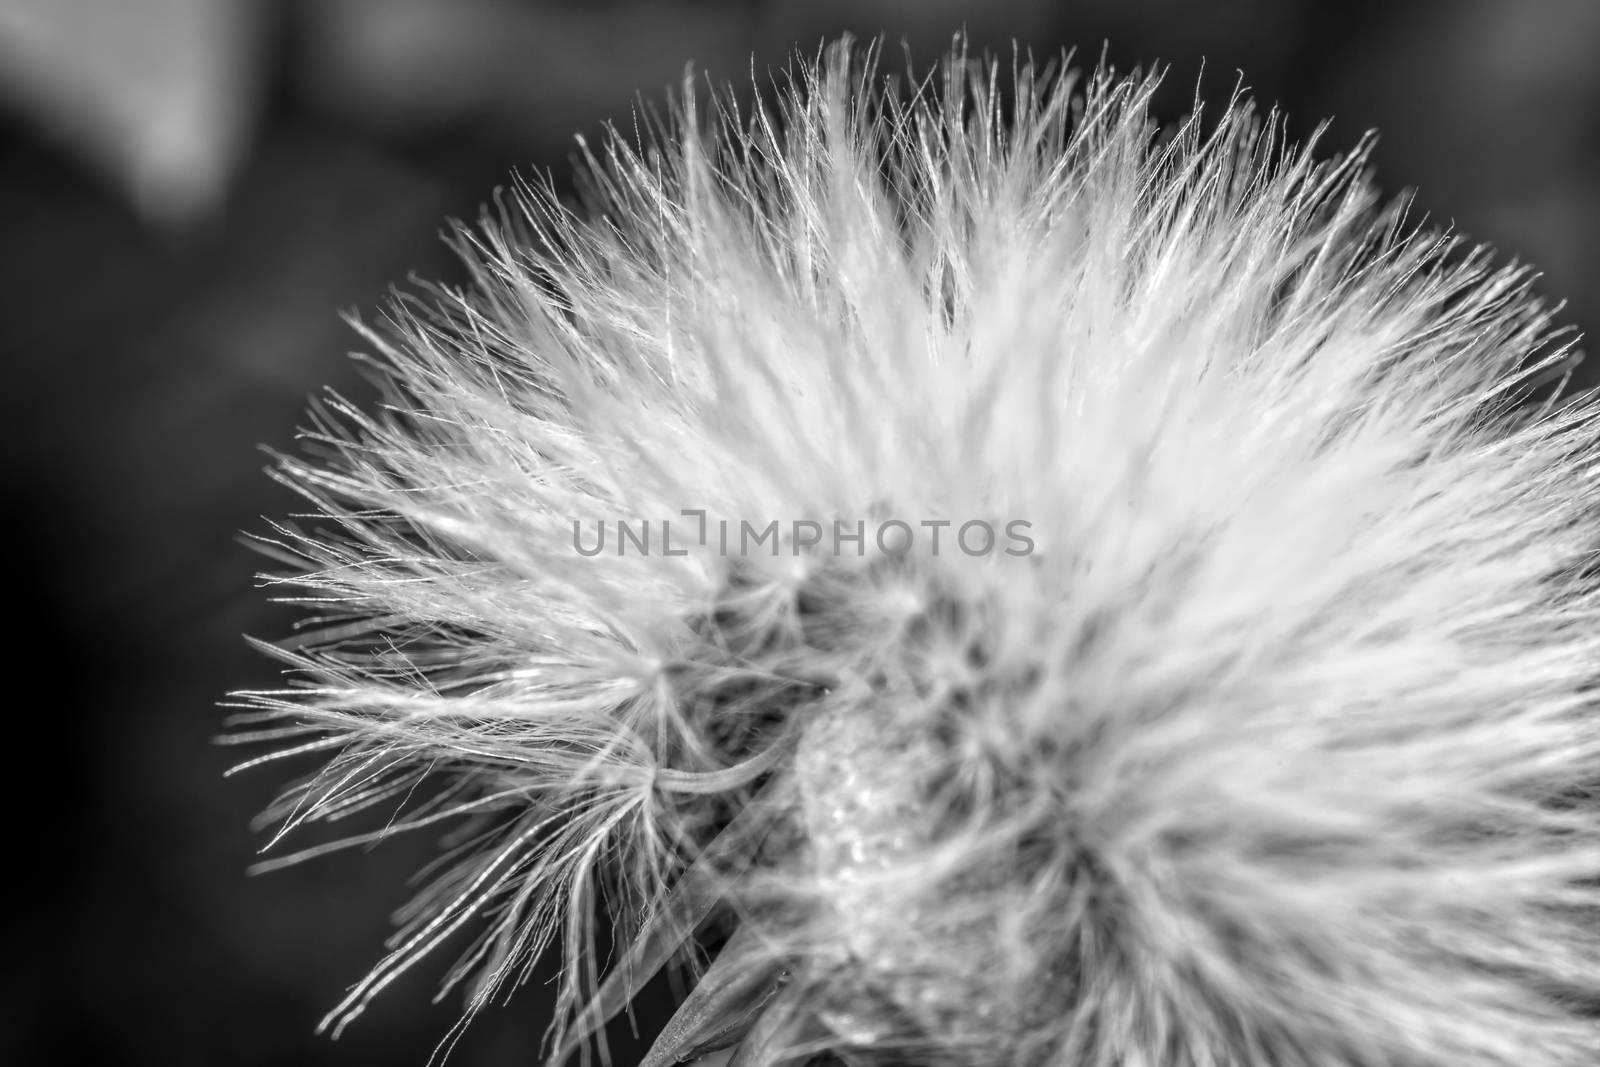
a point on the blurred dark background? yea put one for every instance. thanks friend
(190, 193)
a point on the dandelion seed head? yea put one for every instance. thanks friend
(1266, 739)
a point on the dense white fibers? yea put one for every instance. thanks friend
(1177, 645)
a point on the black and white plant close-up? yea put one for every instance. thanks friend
(990, 554)
(1268, 742)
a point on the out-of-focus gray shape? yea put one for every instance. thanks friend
(549, 69)
(159, 95)
(408, 65)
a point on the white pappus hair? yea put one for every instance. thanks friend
(1066, 594)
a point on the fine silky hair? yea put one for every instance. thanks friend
(1068, 593)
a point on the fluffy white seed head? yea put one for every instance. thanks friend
(1211, 683)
